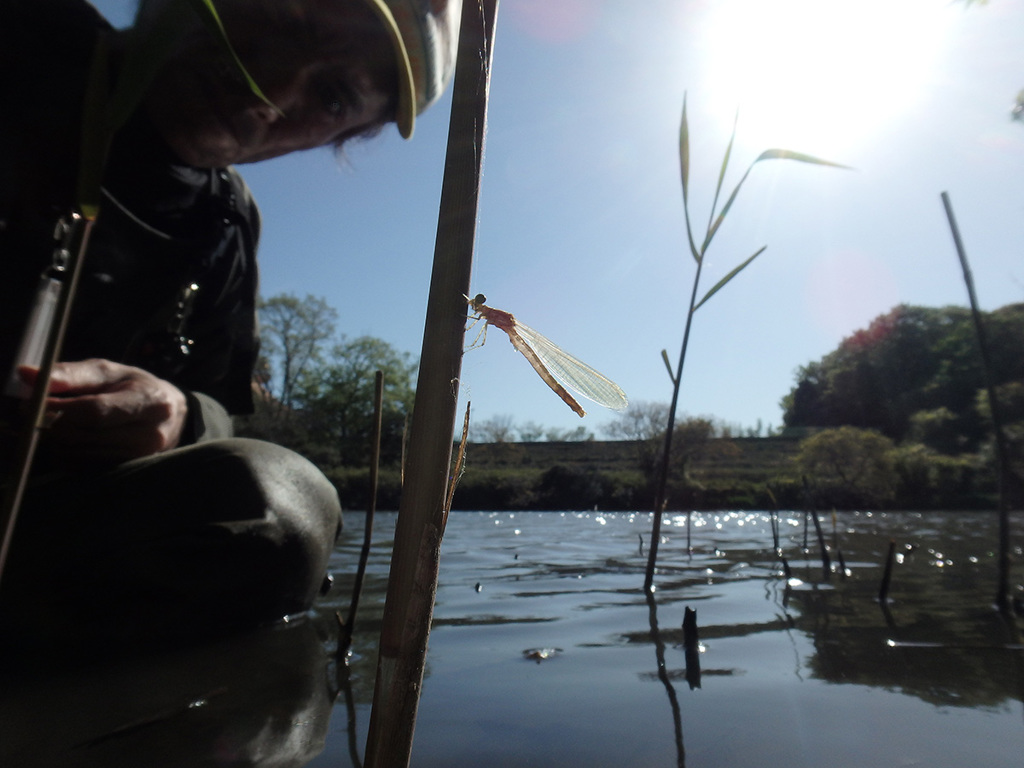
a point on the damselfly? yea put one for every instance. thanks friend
(553, 364)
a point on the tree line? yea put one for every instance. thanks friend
(902, 409)
(892, 417)
(314, 387)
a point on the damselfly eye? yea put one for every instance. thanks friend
(479, 299)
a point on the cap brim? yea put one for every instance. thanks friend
(405, 113)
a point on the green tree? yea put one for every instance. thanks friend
(336, 402)
(564, 487)
(293, 333)
(936, 428)
(1010, 399)
(848, 466)
(907, 361)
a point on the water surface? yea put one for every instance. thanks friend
(545, 652)
(805, 671)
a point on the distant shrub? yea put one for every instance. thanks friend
(568, 487)
(496, 489)
(353, 486)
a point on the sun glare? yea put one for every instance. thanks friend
(821, 75)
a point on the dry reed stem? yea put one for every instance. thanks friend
(415, 561)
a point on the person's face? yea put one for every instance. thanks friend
(327, 65)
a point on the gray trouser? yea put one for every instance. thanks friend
(196, 541)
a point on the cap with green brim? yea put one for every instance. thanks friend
(425, 35)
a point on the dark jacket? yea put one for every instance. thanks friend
(163, 226)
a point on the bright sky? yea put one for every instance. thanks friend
(581, 223)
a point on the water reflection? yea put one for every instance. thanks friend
(663, 676)
(261, 699)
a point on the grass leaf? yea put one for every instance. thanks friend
(208, 13)
(721, 283)
(148, 50)
(721, 177)
(788, 154)
(684, 172)
(725, 209)
(684, 152)
(768, 154)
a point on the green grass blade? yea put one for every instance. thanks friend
(208, 13)
(684, 172)
(684, 152)
(787, 154)
(668, 366)
(95, 137)
(721, 283)
(768, 154)
(721, 176)
(725, 209)
(147, 52)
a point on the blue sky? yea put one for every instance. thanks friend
(581, 229)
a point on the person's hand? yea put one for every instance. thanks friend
(101, 410)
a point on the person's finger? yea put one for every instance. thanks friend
(107, 410)
(87, 376)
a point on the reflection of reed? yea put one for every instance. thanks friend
(826, 561)
(835, 544)
(883, 590)
(691, 647)
(344, 685)
(659, 651)
(1018, 658)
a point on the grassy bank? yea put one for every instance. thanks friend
(734, 474)
(728, 473)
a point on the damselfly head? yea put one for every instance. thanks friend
(477, 301)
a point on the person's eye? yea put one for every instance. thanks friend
(336, 97)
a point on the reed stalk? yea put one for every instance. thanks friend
(826, 561)
(1002, 599)
(347, 626)
(715, 219)
(77, 241)
(416, 557)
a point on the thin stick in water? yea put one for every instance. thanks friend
(1002, 452)
(883, 592)
(347, 627)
